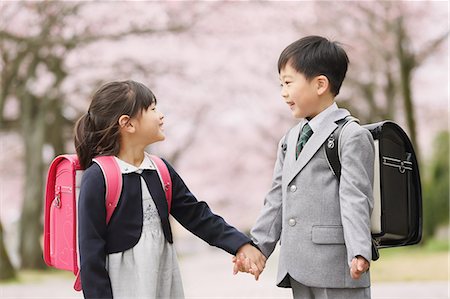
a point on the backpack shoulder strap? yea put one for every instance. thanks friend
(285, 141)
(113, 182)
(164, 175)
(332, 147)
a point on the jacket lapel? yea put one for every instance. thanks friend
(289, 160)
(314, 143)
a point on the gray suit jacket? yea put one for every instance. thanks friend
(321, 223)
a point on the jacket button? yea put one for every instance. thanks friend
(292, 222)
(293, 188)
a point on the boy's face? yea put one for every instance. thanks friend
(299, 93)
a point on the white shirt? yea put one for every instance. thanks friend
(125, 167)
(316, 122)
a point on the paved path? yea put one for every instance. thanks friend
(208, 275)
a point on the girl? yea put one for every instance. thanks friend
(133, 256)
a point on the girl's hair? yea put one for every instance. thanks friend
(97, 131)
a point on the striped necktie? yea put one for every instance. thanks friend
(303, 138)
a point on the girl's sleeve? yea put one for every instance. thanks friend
(197, 217)
(92, 235)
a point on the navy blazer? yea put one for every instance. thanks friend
(96, 239)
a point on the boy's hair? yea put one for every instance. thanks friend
(315, 55)
(97, 131)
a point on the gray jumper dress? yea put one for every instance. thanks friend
(149, 269)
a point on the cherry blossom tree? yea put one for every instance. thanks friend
(37, 38)
(388, 42)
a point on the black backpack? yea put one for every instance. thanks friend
(397, 214)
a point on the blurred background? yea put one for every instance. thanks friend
(213, 69)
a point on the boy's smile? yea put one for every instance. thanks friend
(305, 98)
(291, 104)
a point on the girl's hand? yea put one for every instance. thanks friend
(250, 260)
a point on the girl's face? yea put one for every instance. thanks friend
(149, 126)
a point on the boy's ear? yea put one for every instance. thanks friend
(322, 84)
(126, 124)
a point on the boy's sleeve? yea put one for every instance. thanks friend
(356, 190)
(267, 229)
(92, 235)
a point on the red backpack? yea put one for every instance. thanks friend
(61, 198)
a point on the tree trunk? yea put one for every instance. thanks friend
(407, 64)
(408, 106)
(8, 271)
(33, 130)
(389, 92)
(56, 132)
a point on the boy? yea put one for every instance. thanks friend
(323, 225)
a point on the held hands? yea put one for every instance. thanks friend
(250, 260)
(358, 267)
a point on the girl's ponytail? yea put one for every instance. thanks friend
(84, 143)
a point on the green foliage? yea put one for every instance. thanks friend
(435, 245)
(8, 272)
(436, 187)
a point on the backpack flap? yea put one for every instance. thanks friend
(397, 214)
(60, 238)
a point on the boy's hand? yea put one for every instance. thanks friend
(359, 266)
(249, 259)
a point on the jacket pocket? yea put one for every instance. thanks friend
(328, 234)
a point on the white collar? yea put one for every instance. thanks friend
(125, 167)
(315, 123)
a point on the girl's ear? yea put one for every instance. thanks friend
(126, 124)
(322, 84)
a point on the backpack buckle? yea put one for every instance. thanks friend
(57, 199)
(330, 143)
(397, 163)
